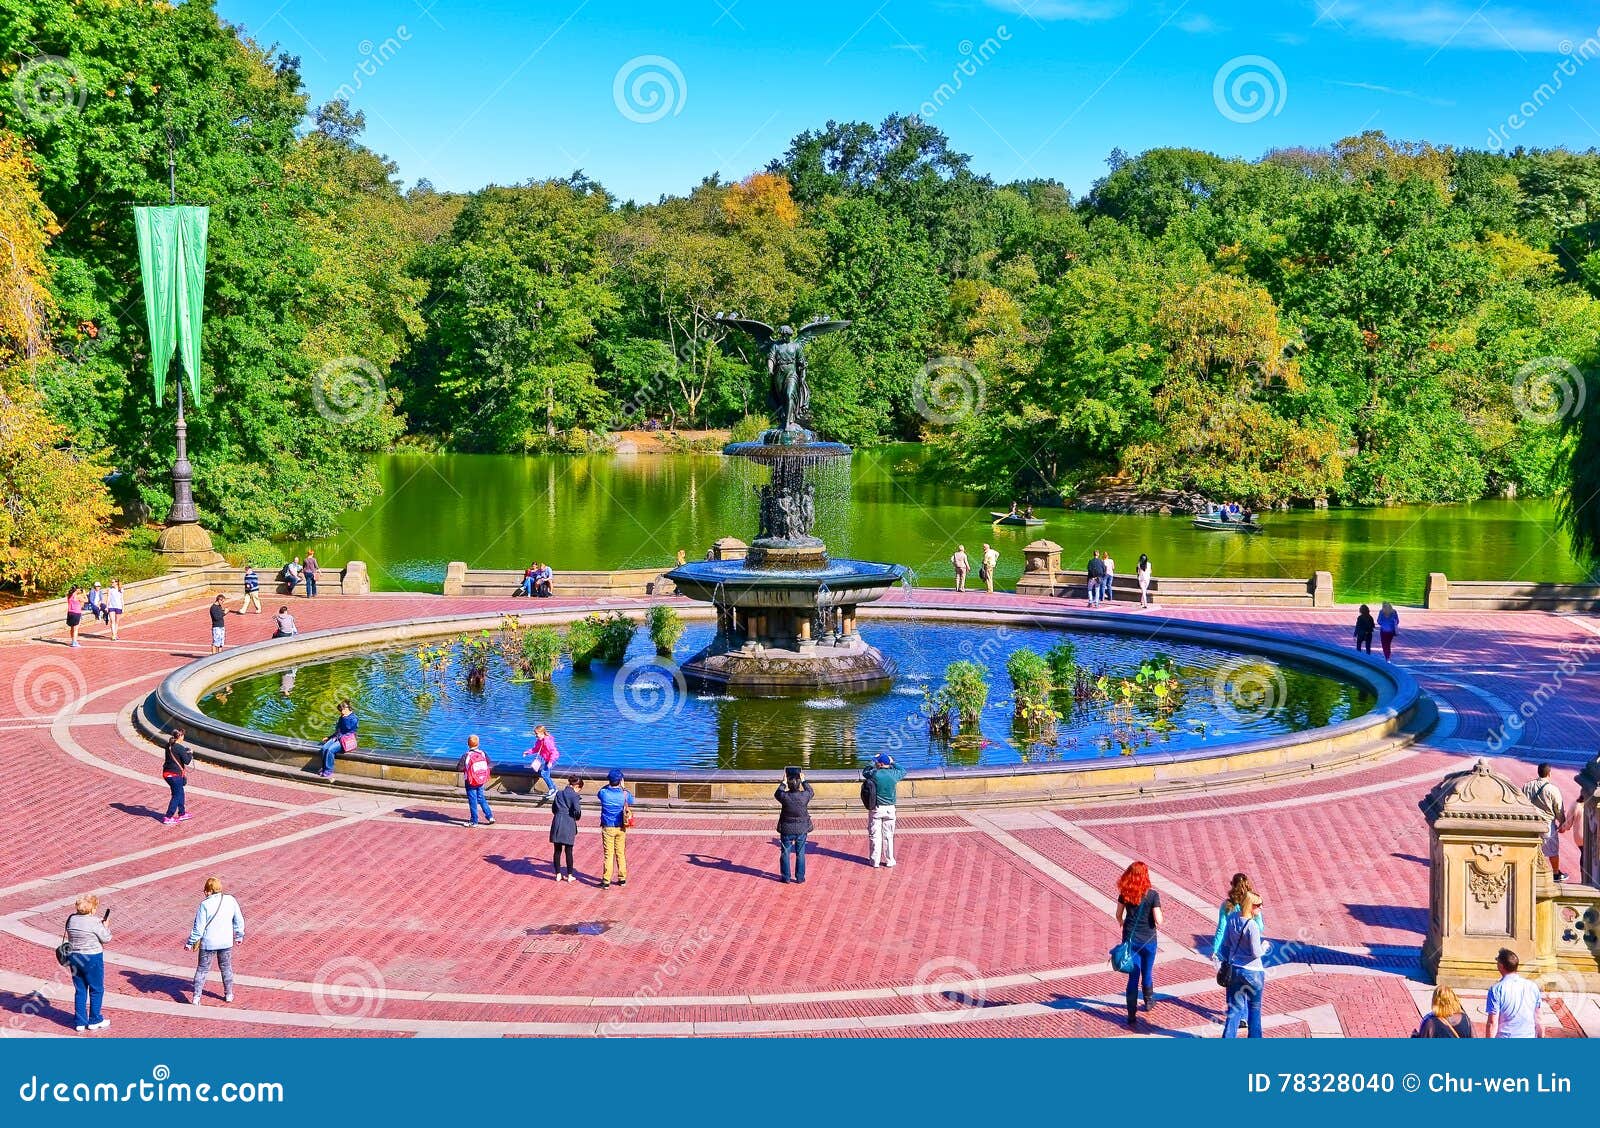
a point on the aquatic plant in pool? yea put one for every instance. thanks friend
(639, 713)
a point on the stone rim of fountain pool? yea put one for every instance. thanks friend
(1400, 714)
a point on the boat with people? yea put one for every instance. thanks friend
(1228, 519)
(1016, 516)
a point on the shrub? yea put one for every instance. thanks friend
(1063, 660)
(264, 554)
(433, 662)
(582, 641)
(531, 651)
(477, 652)
(749, 429)
(961, 698)
(666, 628)
(1030, 693)
(616, 634)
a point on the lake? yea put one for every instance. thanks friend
(620, 511)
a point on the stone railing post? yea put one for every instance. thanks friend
(729, 548)
(1484, 860)
(355, 580)
(455, 577)
(1041, 561)
(1321, 588)
(1436, 596)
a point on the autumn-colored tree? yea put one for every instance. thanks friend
(26, 226)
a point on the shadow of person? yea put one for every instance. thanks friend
(523, 867)
(156, 983)
(726, 865)
(138, 810)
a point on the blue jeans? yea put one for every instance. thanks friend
(544, 774)
(1094, 590)
(792, 844)
(88, 986)
(1244, 997)
(311, 584)
(527, 586)
(1144, 971)
(330, 749)
(176, 807)
(475, 800)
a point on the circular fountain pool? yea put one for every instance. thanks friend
(642, 716)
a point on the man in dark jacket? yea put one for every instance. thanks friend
(794, 823)
(1097, 575)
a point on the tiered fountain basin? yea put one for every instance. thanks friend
(679, 745)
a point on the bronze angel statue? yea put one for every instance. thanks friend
(786, 362)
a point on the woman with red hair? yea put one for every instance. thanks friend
(1139, 914)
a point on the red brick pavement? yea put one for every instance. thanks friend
(387, 918)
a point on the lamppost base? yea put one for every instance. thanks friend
(187, 545)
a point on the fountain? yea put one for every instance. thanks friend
(786, 611)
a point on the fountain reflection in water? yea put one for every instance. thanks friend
(786, 610)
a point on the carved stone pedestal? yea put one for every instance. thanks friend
(1485, 861)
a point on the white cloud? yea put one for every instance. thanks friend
(1376, 88)
(1447, 24)
(1197, 24)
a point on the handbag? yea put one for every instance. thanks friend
(1225, 968)
(1122, 957)
(64, 949)
(627, 818)
(347, 742)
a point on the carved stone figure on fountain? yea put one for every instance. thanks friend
(786, 363)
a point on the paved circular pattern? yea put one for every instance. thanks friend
(387, 916)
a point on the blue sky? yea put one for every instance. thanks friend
(649, 98)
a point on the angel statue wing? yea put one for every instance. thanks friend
(763, 333)
(818, 327)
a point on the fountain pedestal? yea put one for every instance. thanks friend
(786, 611)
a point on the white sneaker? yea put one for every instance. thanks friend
(196, 1000)
(890, 863)
(81, 1029)
(228, 998)
(101, 1025)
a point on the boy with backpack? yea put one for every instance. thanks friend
(475, 769)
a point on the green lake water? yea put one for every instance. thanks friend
(617, 511)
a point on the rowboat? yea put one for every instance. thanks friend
(1215, 524)
(1015, 519)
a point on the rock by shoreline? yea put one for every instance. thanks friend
(1140, 503)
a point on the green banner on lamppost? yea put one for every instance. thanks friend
(172, 261)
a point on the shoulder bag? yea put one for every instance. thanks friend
(64, 949)
(1122, 957)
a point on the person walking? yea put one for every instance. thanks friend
(991, 561)
(1142, 574)
(794, 823)
(252, 590)
(544, 757)
(87, 936)
(74, 613)
(961, 565)
(1543, 793)
(1513, 1002)
(309, 572)
(175, 761)
(218, 926)
(1447, 1019)
(1106, 592)
(616, 815)
(283, 624)
(1365, 626)
(886, 777)
(1139, 915)
(475, 771)
(219, 624)
(1388, 626)
(1095, 571)
(1238, 889)
(565, 811)
(1242, 949)
(114, 607)
(342, 739)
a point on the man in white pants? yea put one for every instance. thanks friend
(881, 829)
(1543, 793)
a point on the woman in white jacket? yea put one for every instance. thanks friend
(218, 926)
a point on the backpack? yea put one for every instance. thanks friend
(869, 791)
(477, 768)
